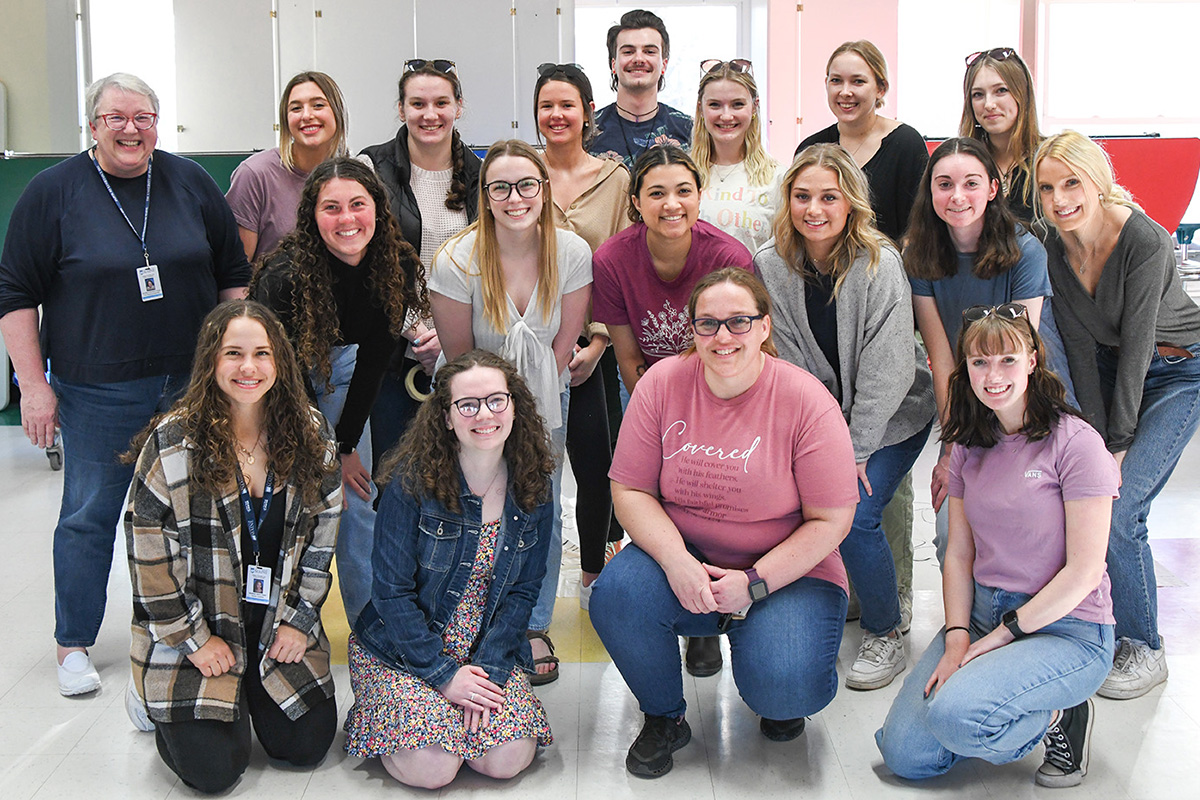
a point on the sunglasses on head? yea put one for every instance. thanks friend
(1005, 311)
(442, 65)
(996, 54)
(735, 65)
(550, 68)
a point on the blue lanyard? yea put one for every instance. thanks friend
(146, 214)
(252, 521)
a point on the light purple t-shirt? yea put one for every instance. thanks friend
(1013, 496)
(735, 475)
(264, 196)
(626, 288)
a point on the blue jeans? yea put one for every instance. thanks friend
(1056, 353)
(356, 532)
(543, 612)
(865, 550)
(784, 653)
(999, 705)
(1168, 417)
(97, 422)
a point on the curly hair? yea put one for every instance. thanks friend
(930, 253)
(395, 275)
(759, 164)
(426, 459)
(297, 450)
(460, 192)
(972, 424)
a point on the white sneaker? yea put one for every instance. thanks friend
(906, 601)
(880, 659)
(77, 674)
(136, 709)
(1136, 670)
(585, 595)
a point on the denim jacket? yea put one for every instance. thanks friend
(422, 561)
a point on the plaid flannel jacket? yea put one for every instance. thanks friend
(185, 562)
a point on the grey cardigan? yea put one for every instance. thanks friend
(886, 386)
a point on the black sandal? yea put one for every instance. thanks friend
(542, 678)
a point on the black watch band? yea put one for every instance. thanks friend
(758, 587)
(1010, 621)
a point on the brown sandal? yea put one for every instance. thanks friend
(542, 678)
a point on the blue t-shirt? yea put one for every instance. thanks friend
(617, 137)
(1027, 279)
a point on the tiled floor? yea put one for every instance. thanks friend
(51, 746)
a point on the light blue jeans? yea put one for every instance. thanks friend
(543, 612)
(356, 533)
(999, 705)
(784, 653)
(1169, 415)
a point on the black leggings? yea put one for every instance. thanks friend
(209, 755)
(590, 450)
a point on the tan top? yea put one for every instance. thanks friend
(598, 213)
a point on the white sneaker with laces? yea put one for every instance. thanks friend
(1136, 670)
(880, 659)
(77, 674)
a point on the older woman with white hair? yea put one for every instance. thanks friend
(125, 248)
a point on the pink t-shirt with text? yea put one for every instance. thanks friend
(734, 475)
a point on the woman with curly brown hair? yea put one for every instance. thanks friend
(439, 655)
(227, 599)
(342, 283)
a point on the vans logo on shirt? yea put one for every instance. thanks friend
(1033, 473)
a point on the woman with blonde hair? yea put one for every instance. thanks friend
(264, 191)
(843, 311)
(1132, 336)
(1000, 110)
(516, 285)
(741, 180)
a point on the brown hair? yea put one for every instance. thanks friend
(329, 88)
(426, 459)
(460, 192)
(738, 277)
(869, 53)
(572, 76)
(660, 155)
(635, 20)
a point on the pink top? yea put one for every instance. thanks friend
(1013, 496)
(734, 475)
(626, 288)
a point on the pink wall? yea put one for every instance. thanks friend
(797, 102)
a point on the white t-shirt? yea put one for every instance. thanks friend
(745, 212)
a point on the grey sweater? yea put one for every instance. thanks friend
(886, 386)
(1139, 302)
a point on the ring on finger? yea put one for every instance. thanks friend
(472, 697)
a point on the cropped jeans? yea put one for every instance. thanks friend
(97, 421)
(1167, 419)
(356, 532)
(543, 612)
(998, 707)
(784, 653)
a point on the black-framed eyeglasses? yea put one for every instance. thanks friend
(495, 402)
(707, 326)
(443, 65)
(570, 70)
(1005, 311)
(996, 54)
(735, 65)
(502, 190)
(117, 122)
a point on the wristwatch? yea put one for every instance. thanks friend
(758, 587)
(1010, 621)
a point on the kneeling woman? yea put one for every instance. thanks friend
(1029, 623)
(230, 530)
(734, 476)
(439, 656)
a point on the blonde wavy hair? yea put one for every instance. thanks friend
(1084, 157)
(759, 164)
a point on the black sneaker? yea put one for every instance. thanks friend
(650, 755)
(1068, 745)
(703, 655)
(781, 730)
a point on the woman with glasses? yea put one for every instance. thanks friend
(514, 284)
(431, 177)
(125, 248)
(438, 659)
(591, 198)
(1029, 617)
(741, 181)
(734, 477)
(843, 311)
(342, 284)
(264, 191)
(230, 529)
(965, 248)
(1000, 110)
(1132, 336)
(891, 153)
